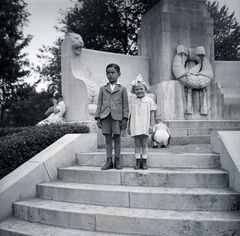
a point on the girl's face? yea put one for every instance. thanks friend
(140, 91)
(112, 75)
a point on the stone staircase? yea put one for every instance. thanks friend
(184, 192)
(198, 131)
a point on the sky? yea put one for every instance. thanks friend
(44, 15)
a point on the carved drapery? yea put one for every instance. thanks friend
(192, 68)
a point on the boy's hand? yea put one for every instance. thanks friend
(99, 123)
(123, 124)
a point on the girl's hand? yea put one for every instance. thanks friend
(99, 123)
(150, 130)
(129, 131)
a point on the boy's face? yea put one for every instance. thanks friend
(139, 90)
(112, 75)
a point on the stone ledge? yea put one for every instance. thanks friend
(226, 143)
(21, 183)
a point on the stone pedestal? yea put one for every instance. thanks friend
(168, 24)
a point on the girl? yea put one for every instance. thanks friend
(141, 120)
(112, 114)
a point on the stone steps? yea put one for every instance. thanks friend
(153, 177)
(200, 128)
(181, 193)
(126, 220)
(16, 227)
(162, 158)
(185, 132)
(162, 198)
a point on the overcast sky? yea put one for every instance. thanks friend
(44, 14)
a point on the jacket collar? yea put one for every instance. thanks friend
(117, 87)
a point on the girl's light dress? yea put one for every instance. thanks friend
(140, 109)
(55, 118)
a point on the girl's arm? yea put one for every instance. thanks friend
(129, 125)
(152, 122)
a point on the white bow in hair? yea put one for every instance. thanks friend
(139, 79)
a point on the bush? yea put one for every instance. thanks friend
(20, 146)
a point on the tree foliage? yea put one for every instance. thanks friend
(50, 68)
(13, 18)
(112, 25)
(28, 109)
(107, 25)
(226, 32)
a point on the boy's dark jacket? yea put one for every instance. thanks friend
(115, 101)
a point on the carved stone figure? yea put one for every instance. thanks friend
(56, 111)
(92, 89)
(192, 68)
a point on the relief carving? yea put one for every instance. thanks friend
(192, 68)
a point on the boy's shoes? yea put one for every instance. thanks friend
(144, 164)
(138, 164)
(108, 165)
(117, 163)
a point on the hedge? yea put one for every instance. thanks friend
(18, 147)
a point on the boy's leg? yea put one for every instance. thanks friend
(117, 150)
(108, 141)
(137, 142)
(144, 152)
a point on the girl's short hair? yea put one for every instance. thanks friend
(116, 66)
(138, 81)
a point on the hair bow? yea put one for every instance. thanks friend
(139, 79)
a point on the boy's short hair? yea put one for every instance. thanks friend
(116, 66)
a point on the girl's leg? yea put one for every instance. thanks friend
(144, 144)
(144, 151)
(117, 150)
(137, 142)
(108, 141)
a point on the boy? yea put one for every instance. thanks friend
(112, 114)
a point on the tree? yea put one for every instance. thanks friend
(50, 69)
(112, 25)
(107, 25)
(13, 17)
(29, 109)
(226, 33)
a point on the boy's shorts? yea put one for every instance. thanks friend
(110, 126)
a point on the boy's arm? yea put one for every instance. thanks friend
(99, 104)
(125, 103)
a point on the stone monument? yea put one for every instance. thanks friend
(165, 26)
(174, 34)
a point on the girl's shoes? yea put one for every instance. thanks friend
(144, 164)
(141, 164)
(138, 164)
